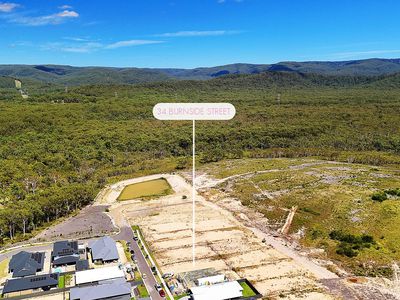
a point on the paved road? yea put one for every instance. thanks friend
(127, 235)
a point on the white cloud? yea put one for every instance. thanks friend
(84, 46)
(77, 39)
(198, 33)
(68, 14)
(130, 43)
(8, 6)
(65, 7)
(53, 19)
(75, 48)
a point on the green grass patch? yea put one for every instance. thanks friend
(61, 282)
(147, 189)
(143, 293)
(247, 291)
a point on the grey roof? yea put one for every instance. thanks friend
(65, 252)
(104, 249)
(115, 289)
(65, 248)
(26, 264)
(29, 283)
(82, 265)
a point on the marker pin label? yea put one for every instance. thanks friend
(194, 111)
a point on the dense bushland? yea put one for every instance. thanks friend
(59, 148)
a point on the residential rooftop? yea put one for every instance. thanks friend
(31, 283)
(98, 275)
(65, 253)
(115, 289)
(26, 264)
(220, 291)
(104, 249)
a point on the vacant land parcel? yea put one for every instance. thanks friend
(222, 243)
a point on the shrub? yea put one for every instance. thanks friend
(379, 196)
(347, 250)
(350, 244)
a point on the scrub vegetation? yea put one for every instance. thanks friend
(335, 212)
(58, 148)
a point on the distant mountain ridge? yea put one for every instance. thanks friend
(69, 75)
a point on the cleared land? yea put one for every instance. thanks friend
(222, 243)
(146, 189)
(329, 195)
(90, 222)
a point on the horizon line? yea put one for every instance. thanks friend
(199, 67)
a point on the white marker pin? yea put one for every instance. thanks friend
(194, 111)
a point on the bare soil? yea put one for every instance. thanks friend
(91, 221)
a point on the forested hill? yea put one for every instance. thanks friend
(367, 67)
(281, 80)
(68, 75)
(6, 82)
(270, 80)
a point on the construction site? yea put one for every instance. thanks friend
(222, 243)
(236, 241)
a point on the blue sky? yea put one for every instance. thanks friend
(194, 33)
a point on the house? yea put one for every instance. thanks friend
(40, 282)
(98, 275)
(219, 291)
(65, 253)
(26, 264)
(191, 278)
(117, 289)
(211, 280)
(82, 265)
(104, 250)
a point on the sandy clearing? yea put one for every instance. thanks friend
(121, 253)
(222, 240)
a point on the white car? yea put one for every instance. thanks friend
(168, 275)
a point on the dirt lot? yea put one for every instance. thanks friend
(90, 222)
(221, 242)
